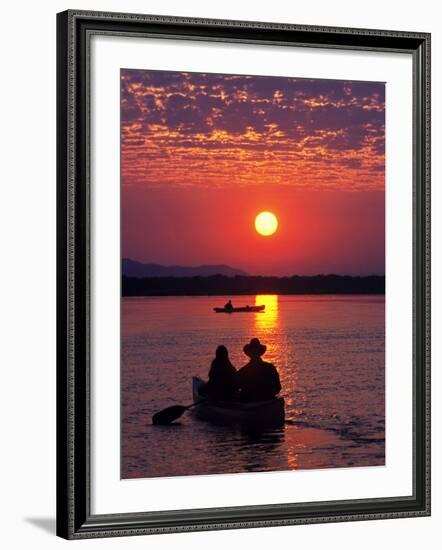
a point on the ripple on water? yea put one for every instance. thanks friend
(330, 356)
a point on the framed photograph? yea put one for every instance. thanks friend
(243, 274)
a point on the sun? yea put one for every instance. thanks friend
(266, 223)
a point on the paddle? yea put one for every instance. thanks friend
(166, 416)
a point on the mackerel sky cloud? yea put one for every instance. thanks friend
(216, 131)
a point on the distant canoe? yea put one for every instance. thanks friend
(246, 309)
(257, 414)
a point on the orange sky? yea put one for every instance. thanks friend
(202, 154)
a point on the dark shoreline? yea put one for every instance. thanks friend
(219, 285)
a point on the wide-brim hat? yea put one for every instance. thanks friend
(254, 348)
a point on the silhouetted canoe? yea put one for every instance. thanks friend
(246, 309)
(260, 413)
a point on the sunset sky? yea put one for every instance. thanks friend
(203, 154)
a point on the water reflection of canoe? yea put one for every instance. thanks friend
(261, 413)
(246, 309)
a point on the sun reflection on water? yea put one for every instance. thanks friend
(269, 328)
(267, 320)
(267, 324)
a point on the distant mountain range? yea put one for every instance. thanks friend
(131, 268)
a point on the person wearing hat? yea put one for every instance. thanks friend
(258, 380)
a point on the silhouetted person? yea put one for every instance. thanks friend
(229, 305)
(258, 380)
(222, 384)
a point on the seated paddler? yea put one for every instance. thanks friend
(258, 380)
(228, 306)
(222, 384)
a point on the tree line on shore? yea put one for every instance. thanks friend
(231, 286)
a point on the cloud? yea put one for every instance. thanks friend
(197, 129)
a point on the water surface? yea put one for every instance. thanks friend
(329, 351)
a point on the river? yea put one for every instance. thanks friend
(330, 354)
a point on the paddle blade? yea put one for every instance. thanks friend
(168, 415)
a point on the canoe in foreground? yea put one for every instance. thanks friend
(246, 309)
(260, 413)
